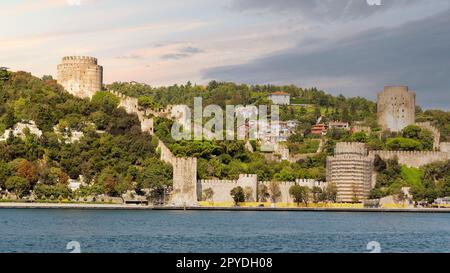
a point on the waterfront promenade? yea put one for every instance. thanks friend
(203, 208)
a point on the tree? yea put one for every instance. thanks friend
(19, 185)
(263, 193)
(28, 171)
(412, 131)
(379, 164)
(331, 192)
(404, 144)
(105, 100)
(248, 192)
(238, 195)
(5, 173)
(275, 191)
(208, 194)
(359, 137)
(316, 193)
(110, 180)
(47, 78)
(300, 194)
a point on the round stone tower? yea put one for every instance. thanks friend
(351, 170)
(81, 76)
(396, 108)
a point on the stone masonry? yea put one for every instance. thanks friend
(351, 170)
(396, 108)
(81, 76)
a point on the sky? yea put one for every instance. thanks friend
(348, 47)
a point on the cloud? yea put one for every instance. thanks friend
(414, 54)
(182, 53)
(329, 10)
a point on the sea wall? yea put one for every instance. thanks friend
(249, 182)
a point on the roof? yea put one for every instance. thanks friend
(280, 93)
(318, 125)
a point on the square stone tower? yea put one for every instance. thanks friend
(81, 76)
(396, 108)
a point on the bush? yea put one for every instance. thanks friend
(238, 195)
(404, 144)
(19, 185)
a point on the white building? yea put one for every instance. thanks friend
(280, 98)
(20, 128)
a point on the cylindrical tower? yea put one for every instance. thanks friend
(351, 170)
(80, 75)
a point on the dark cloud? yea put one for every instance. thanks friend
(182, 53)
(321, 9)
(414, 54)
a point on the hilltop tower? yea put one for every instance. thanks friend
(351, 170)
(396, 108)
(81, 76)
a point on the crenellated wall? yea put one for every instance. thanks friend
(222, 188)
(284, 189)
(414, 159)
(355, 148)
(435, 131)
(184, 191)
(131, 107)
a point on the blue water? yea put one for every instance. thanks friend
(203, 231)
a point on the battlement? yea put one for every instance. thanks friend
(406, 153)
(396, 89)
(210, 182)
(248, 176)
(350, 148)
(79, 59)
(435, 131)
(81, 76)
(267, 183)
(414, 159)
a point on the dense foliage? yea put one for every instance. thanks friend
(427, 183)
(113, 155)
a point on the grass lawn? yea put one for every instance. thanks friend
(412, 175)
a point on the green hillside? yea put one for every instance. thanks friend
(113, 155)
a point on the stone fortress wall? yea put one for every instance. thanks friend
(131, 107)
(351, 168)
(435, 131)
(414, 159)
(184, 177)
(222, 188)
(81, 76)
(445, 147)
(396, 108)
(184, 169)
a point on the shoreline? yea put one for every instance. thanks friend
(237, 209)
